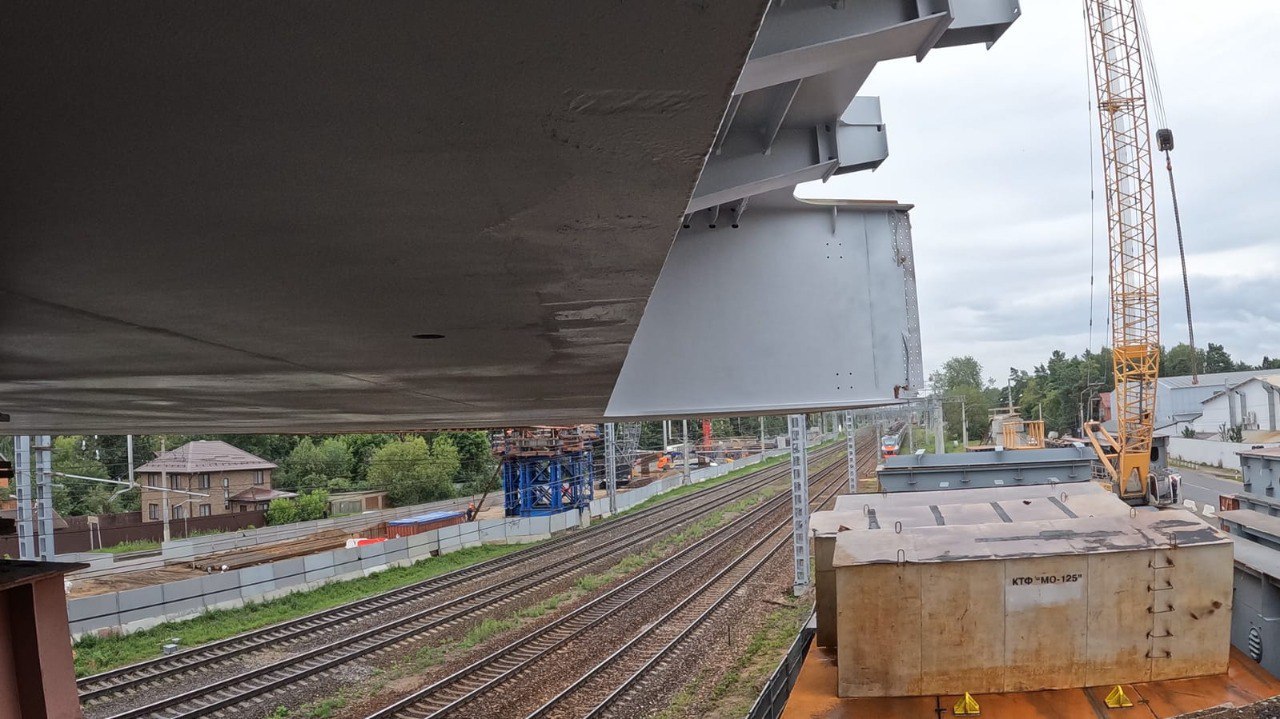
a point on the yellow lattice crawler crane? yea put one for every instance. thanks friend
(1131, 230)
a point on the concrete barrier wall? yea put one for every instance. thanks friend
(1204, 451)
(137, 609)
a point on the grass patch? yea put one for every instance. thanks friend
(683, 701)
(485, 629)
(736, 691)
(136, 545)
(95, 653)
(99, 653)
(708, 484)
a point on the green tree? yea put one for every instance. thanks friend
(312, 505)
(1217, 359)
(960, 383)
(412, 472)
(73, 454)
(1178, 361)
(975, 406)
(957, 372)
(362, 448)
(475, 457)
(282, 511)
(312, 466)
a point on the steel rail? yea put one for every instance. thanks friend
(271, 677)
(445, 696)
(114, 681)
(700, 599)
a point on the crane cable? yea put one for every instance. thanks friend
(1164, 141)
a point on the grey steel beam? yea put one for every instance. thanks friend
(859, 347)
(976, 21)
(745, 166)
(819, 39)
(797, 436)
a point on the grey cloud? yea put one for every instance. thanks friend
(994, 148)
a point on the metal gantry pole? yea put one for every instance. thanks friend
(762, 437)
(22, 493)
(129, 452)
(964, 426)
(685, 478)
(164, 494)
(44, 494)
(939, 444)
(851, 449)
(797, 435)
(611, 466)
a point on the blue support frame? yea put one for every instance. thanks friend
(539, 486)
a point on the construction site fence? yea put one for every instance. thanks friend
(773, 698)
(136, 609)
(187, 549)
(113, 529)
(1210, 452)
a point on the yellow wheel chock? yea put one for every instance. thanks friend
(967, 706)
(1117, 699)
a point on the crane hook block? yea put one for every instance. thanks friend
(1164, 139)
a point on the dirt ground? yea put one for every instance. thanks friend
(1267, 709)
(129, 580)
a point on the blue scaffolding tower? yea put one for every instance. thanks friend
(538, 486)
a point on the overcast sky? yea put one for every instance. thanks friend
(994, 148)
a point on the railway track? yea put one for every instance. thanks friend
(452, 694)
(606, 685)
(604, 542)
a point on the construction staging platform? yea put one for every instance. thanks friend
(1246, 682)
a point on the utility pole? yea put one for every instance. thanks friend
(964, 426)
(761, 437)
(666, 435)
(611, 466)
(939, 444)
(686, 478)
(911, 432)
(851, 449)
(798, 434)
(164, 493)
(128, 443)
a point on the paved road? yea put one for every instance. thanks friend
(1204, 489)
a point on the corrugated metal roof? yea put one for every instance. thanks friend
(261, 494)
(421, 518)
(205, 455)
(1216, 378)
(1271, 379)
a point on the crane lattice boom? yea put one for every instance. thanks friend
(1131, 229)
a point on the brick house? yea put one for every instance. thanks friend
(233, 479)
